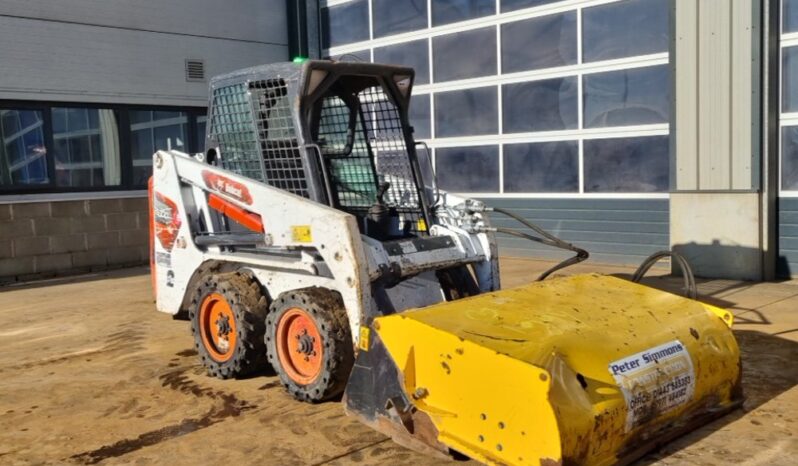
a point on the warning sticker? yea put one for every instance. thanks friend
(654, 381)
(163, 258)
(301, 234)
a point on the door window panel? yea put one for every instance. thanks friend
(628, 97)
(789, 82)
(345, 23)
(512, 5)
(420, 116)
(468, 169)
(363, 56)
(397, 16)
(554, 39)
(452, 11)
(546, 105)
(636, 165)
(463, 55)
(625, 29)
(789, 158)
(789, 16)
(547, 167)
(413, 54)
(466, 113)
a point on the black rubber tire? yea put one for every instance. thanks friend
(249, 305)
(329, 314)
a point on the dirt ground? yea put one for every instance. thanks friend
(90, 373)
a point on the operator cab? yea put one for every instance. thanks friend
(336, 133)
(359, 124)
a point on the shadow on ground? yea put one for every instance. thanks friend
(69, 278)
(769, 370)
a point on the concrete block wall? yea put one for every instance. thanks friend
(47, 239)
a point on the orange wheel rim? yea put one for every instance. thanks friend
(299, 346)
(218, 327)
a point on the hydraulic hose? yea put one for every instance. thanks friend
(691, 290)
(546, 238)
(690, 287)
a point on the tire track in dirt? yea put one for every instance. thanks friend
(179, 381)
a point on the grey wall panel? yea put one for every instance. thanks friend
(621, 231)
(714, 84)
(45, 60)
(684, 123)
(787, 261)
(716, 87)
(251, 20)
(744, 133)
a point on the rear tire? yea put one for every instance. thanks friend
(309, 344)
(227, 315)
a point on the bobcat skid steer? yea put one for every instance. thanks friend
(310, 236)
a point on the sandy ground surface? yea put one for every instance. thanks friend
(90, 373)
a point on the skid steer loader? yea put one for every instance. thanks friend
(310, 236)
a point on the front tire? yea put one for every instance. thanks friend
(227, 315)
(309, 344)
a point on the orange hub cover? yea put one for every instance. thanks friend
(218, 327)
(299, 346)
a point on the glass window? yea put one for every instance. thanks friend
(344, 24)
(554, 39)
(86, 147)
(625, 29)
(512, 5)
(789, 158)
(23, 155)
(627, 97)
(419, 116)
(546, 105)
(789, 92)
(548, 167)
(359, 56)
(413, 54)
(468, 169)
(789, 16)
(462, 55)
(627, 165)
(467, 112)
(199, 131)
(151, 131)
(451, 11)
(395, 16)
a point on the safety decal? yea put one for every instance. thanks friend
(225, 185)
(301, 234)
(363, 341)
(163, 259)
(654, 381)
(166, 220)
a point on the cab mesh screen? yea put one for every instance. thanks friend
(373, 154)
(231, 125)
(254, 128)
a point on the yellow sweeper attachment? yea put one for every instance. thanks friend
(587, 369)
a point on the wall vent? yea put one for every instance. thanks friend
(195, 70)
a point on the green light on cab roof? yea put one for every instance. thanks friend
(298, 60)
